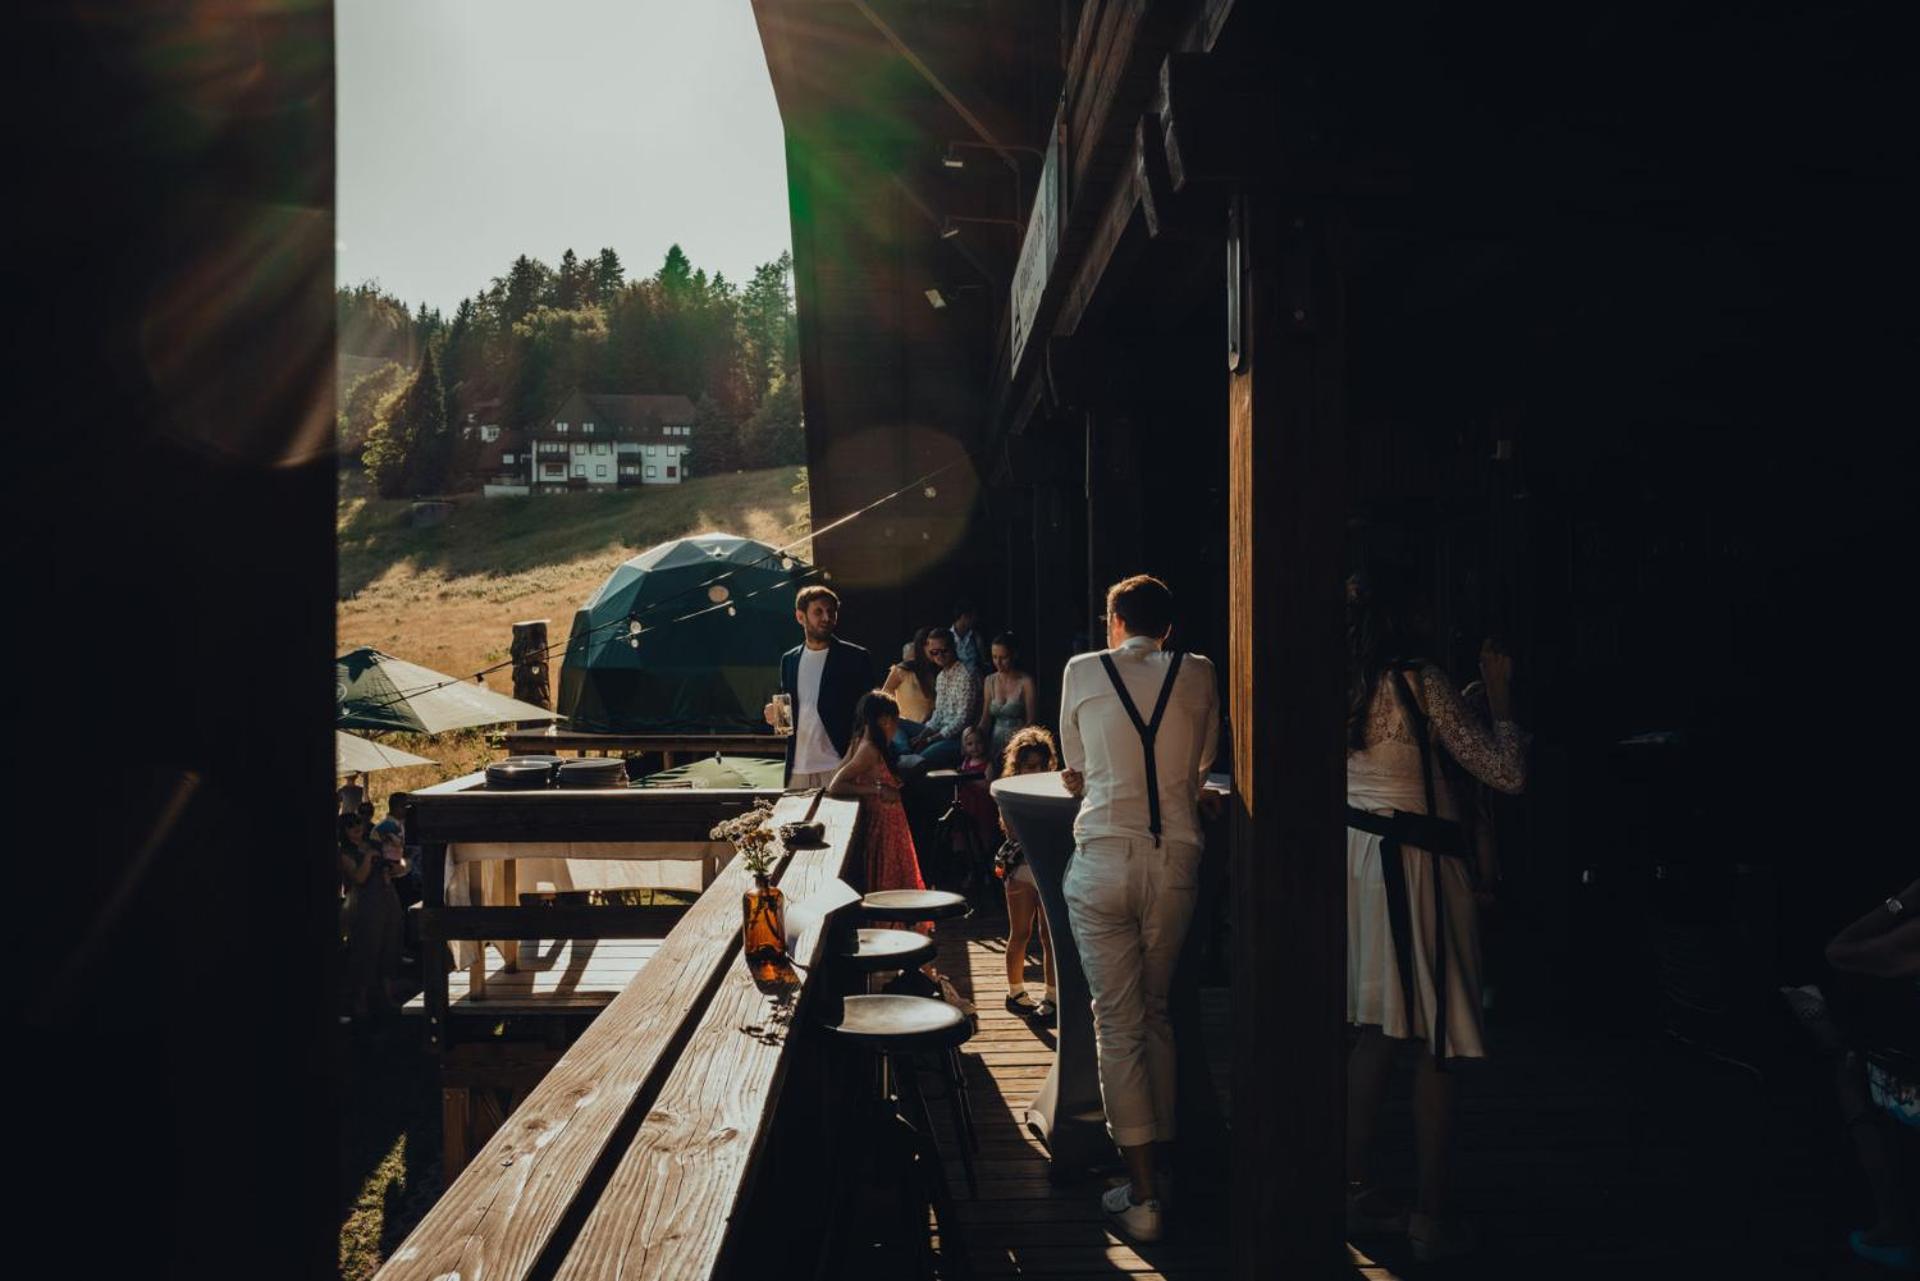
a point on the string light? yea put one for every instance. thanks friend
(786, 562)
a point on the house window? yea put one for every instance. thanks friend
(490, 433)
(560, 427)
(628, 469)
(600, 469)
(580, 449)
(506, 460)
(587, 428)
(672, 472)
(580, 470)
(601, 447)
(651, 450)
(555, 469)
(651, 472)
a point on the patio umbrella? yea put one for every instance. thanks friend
(377, 691)
(753, 772)
(355, 755)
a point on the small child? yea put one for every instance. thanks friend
(973, 752)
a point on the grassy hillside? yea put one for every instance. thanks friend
(447, 596)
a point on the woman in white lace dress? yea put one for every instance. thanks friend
(1413, 930)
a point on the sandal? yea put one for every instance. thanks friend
(1023, 1004)
(1045, 1010)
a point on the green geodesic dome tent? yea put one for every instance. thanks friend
(708, 673)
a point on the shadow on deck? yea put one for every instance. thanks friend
(1579, 1154)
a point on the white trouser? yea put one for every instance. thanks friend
(1130, 904)
(820, 779)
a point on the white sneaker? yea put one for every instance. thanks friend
(1139, 1222)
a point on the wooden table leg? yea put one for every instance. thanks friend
(477, 972)
(510, 948)
(668, 760)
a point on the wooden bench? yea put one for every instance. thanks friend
(631, 1154)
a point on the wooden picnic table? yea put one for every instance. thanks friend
(670, 746)
(635, 1154)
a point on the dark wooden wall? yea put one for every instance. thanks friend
(170, 547)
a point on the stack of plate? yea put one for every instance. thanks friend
(522, 773)
(592, 771)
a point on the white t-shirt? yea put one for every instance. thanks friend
(813, 751)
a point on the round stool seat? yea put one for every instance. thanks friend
(912, 905)
(903, 1024)
(875, 950)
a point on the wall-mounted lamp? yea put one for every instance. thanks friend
(953, 159)
(938, 299)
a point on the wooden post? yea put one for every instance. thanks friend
(455, 1120)
(510, 882)
(433, 959)
(477, 972)
(1288, 491)
(530, 666)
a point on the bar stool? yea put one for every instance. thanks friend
(897, 1029)
(882, 906)
(874, 951)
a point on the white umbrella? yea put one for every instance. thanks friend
(378, 692)
(355, 755)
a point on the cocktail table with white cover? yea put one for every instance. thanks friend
(1066, 1114)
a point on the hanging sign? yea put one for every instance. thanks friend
(1038, 250)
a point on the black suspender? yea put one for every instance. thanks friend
(1147, 730)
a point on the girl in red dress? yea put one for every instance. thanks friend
(892, 863)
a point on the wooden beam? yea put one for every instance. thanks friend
(1287, 657)
(669, 1208)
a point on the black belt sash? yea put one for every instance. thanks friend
(1442, 838)
(1148, 731)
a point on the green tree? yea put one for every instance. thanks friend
(527, 283)
(766, 324)
(716, 439)
(370, 399)
(569, 284)
(608, 275)
(676, 276)
(775, 436)
(411, 451)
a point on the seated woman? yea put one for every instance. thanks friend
(1030, 751)
(891, 861)
(910, 684)
(1007, 695)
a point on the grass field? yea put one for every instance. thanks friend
(447, 596)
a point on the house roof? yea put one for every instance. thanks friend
(627, 413)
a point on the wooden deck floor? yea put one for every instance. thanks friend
(1580, 1151)
(1021, 1224)
(554, 975)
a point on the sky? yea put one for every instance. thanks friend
(471, 131)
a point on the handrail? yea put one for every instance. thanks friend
(537, 1179)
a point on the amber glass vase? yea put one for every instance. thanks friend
(765, 934)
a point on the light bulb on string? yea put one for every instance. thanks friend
(731, 611)
(931, 491)
(786, 562)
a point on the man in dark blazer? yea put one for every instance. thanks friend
(822, 677)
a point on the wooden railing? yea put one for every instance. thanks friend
(632, 1156)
